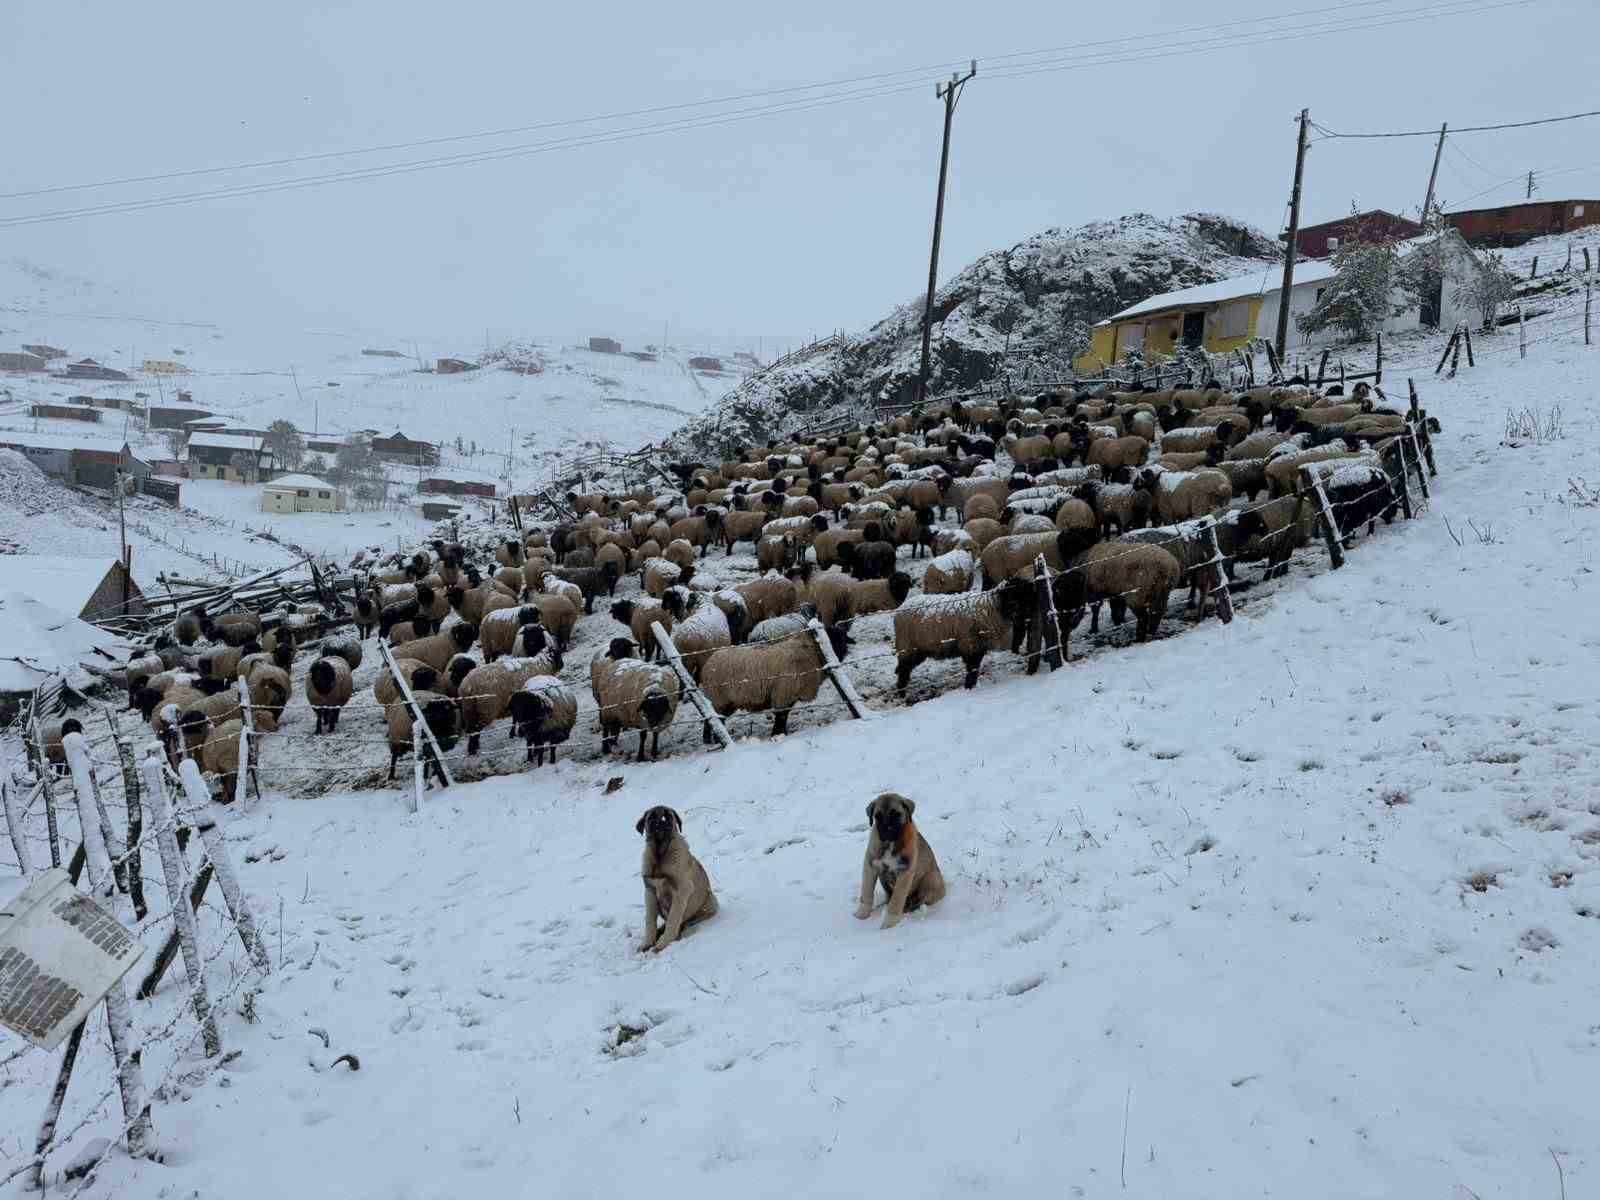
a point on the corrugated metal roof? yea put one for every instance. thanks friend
(1257, 283)
(225, 441)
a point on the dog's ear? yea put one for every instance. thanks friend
(640, 825)
(911, 805)
(676, 819)
(870, 806)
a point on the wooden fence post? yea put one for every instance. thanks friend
(247, 720)
(431, 747)
(689, 688)
(1449, 345)
(1416, 458)
(1522, 329)
(14, 811)
(130, 1080)
(198, 800)
(36, 744)
(177, 896)
(169, 948)
(1397, 446)
(1311, 483)
(1045, 614)
(1586, 258)
(1455, 358)
(1207, 529)
(1466, 336)
(1322, 366)
(1588, 301)
(837, 675)
(1377, 376)
(1534, 274)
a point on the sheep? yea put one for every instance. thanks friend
(982, 531)
(740, 526)
(949, 573)
(771, 596)
(328, 689)
(1123, 505)
(775, 629)
(1192, 549)
(410, 631)
(419, 677)
(50, 745)
(1079, 515)
(224, 663)
(485, 694)
(140, 671)
(870, 558)
(511, 578)
(1289, 524)
(367, 613)
(1110, 453)
(777, 553)
(771, 676)
(441, 715)
(592, 581)
(270, 689)
(1133, 577)
(967, 627)
(437, 649)
(840, 600)
(981, 506)
(1358, 492)
(632, 695)
(681, 552)
(702, 530)
(472, 603)
(347, 648)
(705, 629)
(1198, 439)
(1247, 477)
(659, 574)
(499, 630)
(1283, 468)
(235, 629)
(218, 746)
(186, 628)
(1191, 460)
(1255, 445)
(1025, 451)
(947, 540)
(1014, 555)
(826, 545)
(543, 712)
(1184, 495)
(551, 584)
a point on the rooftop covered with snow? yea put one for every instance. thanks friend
(1257, 283)
(290, 483)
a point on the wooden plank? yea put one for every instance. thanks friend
(1416, 459)
(689, 688)
(1312, 486)
(1395, 447)
(837, 675)
(1219, 575)
(436, 755)
(247, 719)
(198, 803)
(1450, 344)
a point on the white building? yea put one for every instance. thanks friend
(300, 493)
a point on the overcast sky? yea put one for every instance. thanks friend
(779, 226)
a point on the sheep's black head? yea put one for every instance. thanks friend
(145, 700)
(899, 587)
(1213, 454)
(455, 596)
(1072, 542)
(442, 717)
(1250, 524)
(283, 654)
(425, 595)
(463, 634)
(323, 675)
(622, 610)
(620, 648)
(195, 727)
(656, 708)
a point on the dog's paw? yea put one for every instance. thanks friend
(646, 947)
(890, 920)
(863, 912)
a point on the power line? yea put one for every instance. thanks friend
(379, 171)
(1329, 133)
(654, 109)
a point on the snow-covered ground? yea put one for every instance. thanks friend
(1300, 906)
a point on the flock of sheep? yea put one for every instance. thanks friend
(938, 518)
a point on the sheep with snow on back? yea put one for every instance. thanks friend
(769, 676)
(705, 629)
(1133, 577)
(328, 690)
(659, 574)
(639, 615)
(950, 573)
(967, 627)
(1110, 453)
(419, 677)
(1188, 544)
(233, 629)
(840, 600)
(499, 630)
(410, 631)
(769, 596)
(1014, 555)
(543, 712)
(1185, 495)
(440, 714)
(487, 690)
(438, 649)
(1358, 492)
(632, 695)
(270, 688)
(1197, 439)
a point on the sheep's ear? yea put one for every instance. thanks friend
(640, 826)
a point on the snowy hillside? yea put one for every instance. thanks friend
(1303, 905)
(1022, 311)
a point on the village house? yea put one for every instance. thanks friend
(1513, 224)
(454, 366)
(401, 449)
(605, 345)
(175, 414)
(44, 351)
(88, 368)
(1224, 316)
(1374, 225)
(21, 361)
(445, 482)
(301, 493)
(242, 458)
(64, 412)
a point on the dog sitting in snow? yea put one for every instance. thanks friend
(676, 887)
(899, 858)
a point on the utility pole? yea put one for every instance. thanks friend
(1530, 185)
(1290, 249)
(1433, 175)
(948, 92)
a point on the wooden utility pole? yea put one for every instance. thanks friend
(1290, 249)
(1433, 175)
(1530, 185)
(948, 92)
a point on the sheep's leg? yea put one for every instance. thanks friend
(902, 671)
(972, 662)
(1094, 617)
(472, 744)
(1119, 610)
(705, 732)
(394, 757)
(780, 722)
(644, 736)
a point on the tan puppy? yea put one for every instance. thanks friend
(899, 858)
(675, 884)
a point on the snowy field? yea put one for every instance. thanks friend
(1306, 905)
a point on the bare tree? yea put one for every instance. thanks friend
(1487, 288)
(286, 444)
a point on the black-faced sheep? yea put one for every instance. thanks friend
(703, 630)
(967, 627)
(328, 689)
(1110, 453)
(543, 713)
(632, 695)
(839, 599)
(950, 573)
(438, 649)
(592, 581)
(485, 694)
(771, 676)
(1133, 577)
(639, 615)
(439, 712)
(498, 633)
(1185, 495)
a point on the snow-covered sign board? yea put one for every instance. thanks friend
(60, 952)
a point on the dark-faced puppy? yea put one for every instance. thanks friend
(676, 887)
(899, 858)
